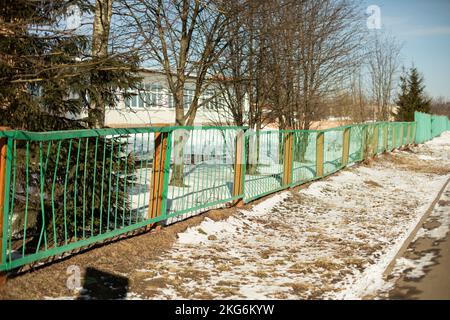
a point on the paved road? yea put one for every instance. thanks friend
(429, 279)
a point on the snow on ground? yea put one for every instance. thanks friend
(332, 240)
(414, 263)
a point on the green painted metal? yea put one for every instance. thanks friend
(265, 163)
(70, 189)
(304, 157)
(207, 160)
(332, 153)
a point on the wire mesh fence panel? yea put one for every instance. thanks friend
(304, 156)
(74, 190)
(332, 150)
(264, 172)
(367, 138)
(405, 133)
(356, 143)
(201, 170)
(423, 130)
(390, 137)
(69, 189)
(382, 137)
(398, 135)
(438, 125)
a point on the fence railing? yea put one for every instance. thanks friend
(61, 191)
(430, 126)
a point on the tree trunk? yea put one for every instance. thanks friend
(100, 36)
(180, 139)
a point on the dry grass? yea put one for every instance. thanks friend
(444, 203)
(116, 258)
(326, 264)
(372, 183)
(414, 164)
(226, 292)
(300, 288)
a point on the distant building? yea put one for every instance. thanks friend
(153, 104)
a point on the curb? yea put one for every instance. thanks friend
(412, 235)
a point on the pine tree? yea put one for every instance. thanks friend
(47, 74)
(416, 92)
(412, 96)
(402, 100)
(48, 77)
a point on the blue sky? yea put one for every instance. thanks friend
(423, 26)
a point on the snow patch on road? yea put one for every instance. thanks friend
(413, 269)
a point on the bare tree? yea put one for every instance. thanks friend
(383, 66)
(441, 106)
(183, 39)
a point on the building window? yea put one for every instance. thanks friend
(170, 99)
(152, 96)
(188, 97)
(221, 102)
(208, 99)
(148, 96)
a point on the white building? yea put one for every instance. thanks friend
(153, 105)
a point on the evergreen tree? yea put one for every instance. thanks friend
(48, 77)
(47, 73)
(412, 96)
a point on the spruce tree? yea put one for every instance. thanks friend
(412, 96)
(47, 73)
(48, 77)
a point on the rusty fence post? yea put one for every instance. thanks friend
(363, 142)
(287, 158)
(160, 176)
(3, 200)
(319, 153)
(239, 169)
(345, 146)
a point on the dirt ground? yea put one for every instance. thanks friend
(111, 261)
(311, 245)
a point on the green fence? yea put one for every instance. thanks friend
(207, 157)
(61, 191)
(429, 126)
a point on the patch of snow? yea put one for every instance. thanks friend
(413, 269)
(425, 157)
(133, 296)
(332, 240)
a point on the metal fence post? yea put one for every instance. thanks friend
(363, 142)
(345, 146)
(160, 176)
(239, 169)
(3, 200)
(319, 154)
(287, 158)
